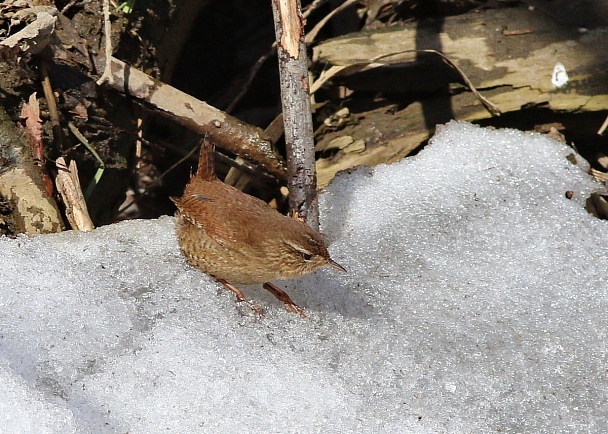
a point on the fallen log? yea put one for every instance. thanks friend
(512, 56)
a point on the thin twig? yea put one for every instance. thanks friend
(334, 70)
(489, 105)
(315, 30)
(603, 127)
(244, 166)
(256, 67)
(157, 180)
(312, 7)
(68, 6)
(180, 161)
(252, 73)
(107, 77)
(51, 102)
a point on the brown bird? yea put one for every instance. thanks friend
(238, 238)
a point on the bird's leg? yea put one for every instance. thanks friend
(241, 297)
(282, 296)
(239, 294)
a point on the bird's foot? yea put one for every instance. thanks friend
(282, 296)
(255, 307)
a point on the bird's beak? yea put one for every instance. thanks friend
(334, 264)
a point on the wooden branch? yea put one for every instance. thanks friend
(295, 99)
(225, 131)
(107, 76)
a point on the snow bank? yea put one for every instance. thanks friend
(475, 301)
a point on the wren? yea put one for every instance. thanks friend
(238, 238)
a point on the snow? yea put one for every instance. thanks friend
(475, 301)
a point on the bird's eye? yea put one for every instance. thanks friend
(306, 256)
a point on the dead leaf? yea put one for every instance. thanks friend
(33, 127)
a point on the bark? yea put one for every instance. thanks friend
(295, 99)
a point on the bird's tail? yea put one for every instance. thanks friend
(206, 160)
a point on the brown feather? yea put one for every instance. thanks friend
(239, 238)
(206, 160)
